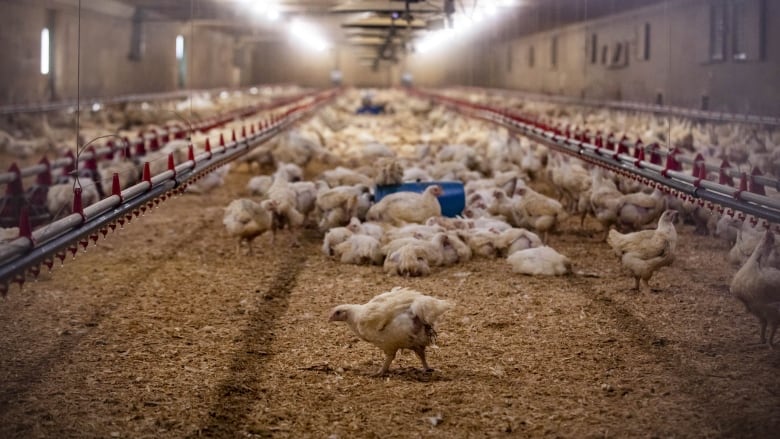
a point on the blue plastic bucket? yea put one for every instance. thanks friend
(452, 200)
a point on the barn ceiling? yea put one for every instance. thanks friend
(388, 25)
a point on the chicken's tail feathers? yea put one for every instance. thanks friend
(430, 308)
(614, 238)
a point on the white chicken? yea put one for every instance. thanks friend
(639, 209)
(286, 198)
(259, 185)
(537, 212)
(338, 205)
(334, 237)
(209, 181)
(643, 253)
(359, 250)
(544, 261)
(407, 207)
(59, 198)
(412, 259)
(757, 285)
(247, 220)
(398, 319)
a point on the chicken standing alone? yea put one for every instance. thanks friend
(398, 319)
(757, 285)
(644, 252)
(247, 220)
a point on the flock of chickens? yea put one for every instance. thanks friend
(24, 136)
(323, 173)
(347, 156)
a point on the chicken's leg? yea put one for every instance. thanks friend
(420, 351)
(763, 330)
(389, 357)
(636, 283)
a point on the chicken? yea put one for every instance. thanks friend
(748, 237)
(286, 198)
(334, 237)
(757, 285)
(537, 212)
(639, 209)
(539, 261)
(604, 201)
(514, 240)
(412, 258)
(483, 242)
(338, 205)
(259, 185)
(247, 220)
(366, 228)
(390, 172)
(59, 198)
(209, 181)
(359, 250)
(345, 177)
(643, 253)
(407, 207)
(398, 319)
(125, 170)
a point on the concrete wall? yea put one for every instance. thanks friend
(678, 67)
(106, 69)
(282, 61)
(20, 34)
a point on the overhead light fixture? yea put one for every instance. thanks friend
(308, 35)
(45, 51)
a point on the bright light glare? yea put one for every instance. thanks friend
(273, 14)
(179, 47)
(96, 107)
(308, 35)
(45, 51)
(463, 24)
(435, 39)
(254, 91)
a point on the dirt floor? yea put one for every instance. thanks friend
(162, 330)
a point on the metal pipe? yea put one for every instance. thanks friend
(88, 103)
(8, 177)
(752, 204)
(38, 255)
(714, 116)
(75, 227)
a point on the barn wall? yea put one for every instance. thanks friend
(678, 70)
(20, 33)
(106, 69)
(281, 61)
